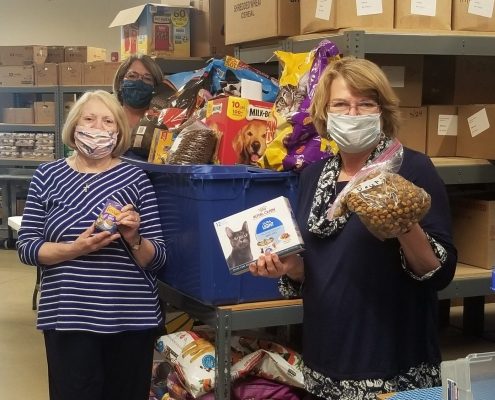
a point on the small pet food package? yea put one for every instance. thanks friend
(244, 127)
(106, 220)
(268, 227)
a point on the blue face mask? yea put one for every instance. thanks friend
(136, 94)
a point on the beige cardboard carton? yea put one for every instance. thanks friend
(208, 29)
(17, 115)
(110, 71)
(412, 131)
(70, 73)
(476, 131)
(473, 223)
(254, 20)
(44, 112)
(84, 54)
(20, 75)
(474, 80)
(46, 74)
(441, 131)
(405, 73)
(269, 227)
(423, 15)
(22, 55)
(93, 73)
(317, 16)
(473, 16)
(56, 54)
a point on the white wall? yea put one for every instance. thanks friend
(62, 22)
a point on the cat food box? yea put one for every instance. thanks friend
(269, 227)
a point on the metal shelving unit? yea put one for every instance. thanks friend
(471, 283)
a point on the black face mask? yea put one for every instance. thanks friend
(136, 94)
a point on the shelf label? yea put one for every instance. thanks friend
(447, 125)
(323, 9)
(369, 7)
(478, 122)
(483, 8)
(424, 7)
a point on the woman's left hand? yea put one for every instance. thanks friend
(128, 222)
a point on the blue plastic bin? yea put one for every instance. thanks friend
(191, 198)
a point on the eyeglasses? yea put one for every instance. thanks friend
(134, 76)
(363, 107)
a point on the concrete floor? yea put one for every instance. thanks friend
(23, 372)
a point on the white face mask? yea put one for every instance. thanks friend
(354, 133)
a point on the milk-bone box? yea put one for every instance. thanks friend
(244, 127)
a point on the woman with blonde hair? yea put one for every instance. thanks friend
(98, 308)
(370, 305)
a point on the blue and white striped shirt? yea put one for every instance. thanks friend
(104, 291)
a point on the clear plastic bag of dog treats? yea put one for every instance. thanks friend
(386, 203)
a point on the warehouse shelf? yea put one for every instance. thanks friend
(358, 42)
(28, 89)
(468, 281)
(460, 170)
(27, 127)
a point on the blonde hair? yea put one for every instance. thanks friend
(124, 136)
(363, 77)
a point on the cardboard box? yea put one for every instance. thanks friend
(110, 71)
(84, 54)
(20, 75)
(438, 79)
(441, 131)
(317, 16)
(476, 131)
(253, 20)
(473, 75)
(243, 126)
(44, 112)
(405, 73)
(423, 15)
(473, 16)
(154, 29)
(269, 227)
(17, 115)
(46, 74)
(208, 29)
(93, 73)
(56, 54)
(473, 224)
(412, 131)
(70, 73)
(22, 55)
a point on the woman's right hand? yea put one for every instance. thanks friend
(270, 265)
(91, 240)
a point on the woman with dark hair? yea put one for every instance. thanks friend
(134, 84)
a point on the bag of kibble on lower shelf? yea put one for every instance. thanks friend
(386, 203)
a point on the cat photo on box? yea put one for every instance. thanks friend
(267, 227)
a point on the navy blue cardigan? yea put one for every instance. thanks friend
(364, 315)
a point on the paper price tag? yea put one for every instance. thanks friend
(478, 122)
(370, 183)
(369, 7)
(424, 7)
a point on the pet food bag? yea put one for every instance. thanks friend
(386, 203)
(297, 143)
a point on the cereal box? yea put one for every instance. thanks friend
(106, 221)
(244, 126)
(265, 228)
